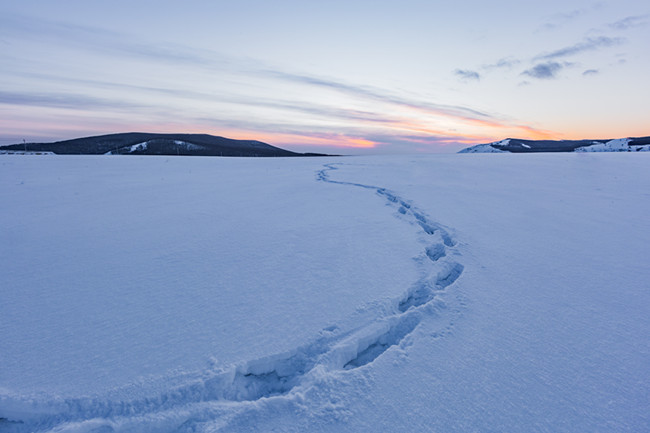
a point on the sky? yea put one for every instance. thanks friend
(351, 77)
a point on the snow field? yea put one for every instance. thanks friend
(554, 335)
(438, 293)
(336, 348)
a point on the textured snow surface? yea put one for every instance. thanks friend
(436, 293)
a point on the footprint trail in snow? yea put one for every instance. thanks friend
(215, 397)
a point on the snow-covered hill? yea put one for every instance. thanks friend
(514, 145)
(429, 293)
(140, 143)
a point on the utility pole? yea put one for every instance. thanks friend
(25, 145)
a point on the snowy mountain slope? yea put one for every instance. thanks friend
(619, 145)
(387, 294)
(487, 148)
(142, 148)
(515, 145)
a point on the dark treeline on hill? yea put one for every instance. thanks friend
(530, 146)
(140, 143)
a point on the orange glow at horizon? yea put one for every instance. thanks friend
(411, 131)
(295, 139)
(416, 129)
(503, 130)
(360, 142)
(426, 127)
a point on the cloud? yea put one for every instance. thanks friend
(591, 72)
(94, 38)
(406, 143)
(63, 100)
(76, 101)
(544, 71)
(466, 75)
(375, 94)
(560, 19)
(406, 114)
(106, 41)
(349, 137)
(630, 22)
(589, 44)
(504, 63)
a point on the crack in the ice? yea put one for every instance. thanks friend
(280, 374)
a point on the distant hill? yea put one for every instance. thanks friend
(515, 145)
(139, 143)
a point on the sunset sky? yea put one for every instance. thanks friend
(355, 77)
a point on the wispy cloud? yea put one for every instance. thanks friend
(64, 100)
(559, 19)
(94, 38)
(404, 114)
(375, 94)
(453, 113)
(504, 63)
(467, 75)
(563, 18)
(589, 44)
(84, 102)
(547, 65)
(630, 22)
(544, 71)
(112, 43)
(590, 72)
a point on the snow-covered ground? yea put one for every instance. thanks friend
(431, 293)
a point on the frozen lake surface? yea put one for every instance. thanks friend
(484, 292)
